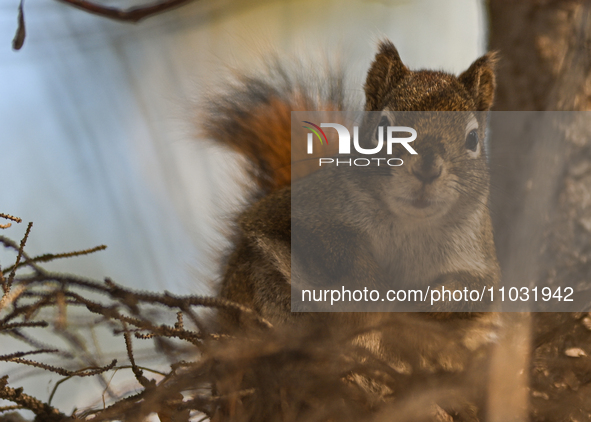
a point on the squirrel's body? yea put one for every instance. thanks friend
(407, 252)
(427, 222)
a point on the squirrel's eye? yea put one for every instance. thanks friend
(384, 123)
(472, 140)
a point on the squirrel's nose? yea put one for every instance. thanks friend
(427, 175)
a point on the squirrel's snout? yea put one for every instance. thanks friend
(427, 173)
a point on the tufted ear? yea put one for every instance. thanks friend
(386, 71)
(479, 80)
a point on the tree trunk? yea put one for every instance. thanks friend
(541, 190)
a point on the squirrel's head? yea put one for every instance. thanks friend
(390, 85)
(449, 172)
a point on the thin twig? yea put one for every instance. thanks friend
(9, 243)
(21, 354)
(115, 369)
(46, 412)
(11, 296)
(3, 280)
(10, 217)
(50, 257)
(139, 374)
(84, 372)
(25, 324)
(133, 14)
(19, 256)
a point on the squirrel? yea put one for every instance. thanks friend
(424, 223)
(447, 242)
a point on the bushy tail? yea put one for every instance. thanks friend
(253, 117)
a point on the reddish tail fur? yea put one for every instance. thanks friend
(253, 117)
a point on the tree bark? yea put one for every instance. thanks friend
(541, 189)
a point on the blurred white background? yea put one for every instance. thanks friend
(97, 141)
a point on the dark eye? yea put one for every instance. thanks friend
(384, 122)
(472, 140)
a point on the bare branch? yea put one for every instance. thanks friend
(85, 372)
(10, 217)
(133, 14)
(21, 354)
(50, 257)
(42, 410)
(18, 257)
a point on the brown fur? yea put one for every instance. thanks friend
(257, 271)
(253, 118)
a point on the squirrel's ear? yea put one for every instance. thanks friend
(385, 73)
(479, 80)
